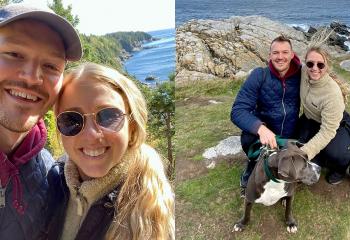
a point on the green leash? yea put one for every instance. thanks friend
(255, 150)
(267, 169)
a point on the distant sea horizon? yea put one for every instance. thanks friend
(296, 13)
(311, 12)
(156, 59)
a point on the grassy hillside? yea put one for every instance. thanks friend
(112, 48)
(129, 40)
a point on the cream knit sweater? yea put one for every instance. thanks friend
(323, 102)
(84, 194)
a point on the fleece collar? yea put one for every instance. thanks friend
(92, 190)
(315, 83)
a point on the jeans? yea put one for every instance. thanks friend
(247, 139)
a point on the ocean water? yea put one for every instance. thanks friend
(157, 59)
(300, 12)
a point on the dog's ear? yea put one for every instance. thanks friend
(299, 158)
(290, 161)
(285, 160)
(284, 163)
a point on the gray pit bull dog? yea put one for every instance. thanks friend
(275, 177)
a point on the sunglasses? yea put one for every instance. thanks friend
(320, 65)
(71, 123)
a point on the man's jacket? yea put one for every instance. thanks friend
(30, 225)
(24, 187)
(265, 98)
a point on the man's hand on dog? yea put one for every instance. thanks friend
(267, 137)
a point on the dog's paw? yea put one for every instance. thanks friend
(238, 227)
(283, 202)
(292, 228)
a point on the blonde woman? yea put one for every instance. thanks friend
(325, 125)
(112, 185)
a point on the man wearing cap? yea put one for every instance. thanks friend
(35, 45)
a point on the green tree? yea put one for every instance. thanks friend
(66, 13)
(5, 2)
(162, 109)
(53, 143)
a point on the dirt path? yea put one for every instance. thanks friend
(189, 169)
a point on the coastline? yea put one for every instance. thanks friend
(154, 59)
(231, 48)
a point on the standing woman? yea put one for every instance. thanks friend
(112, 185)
(325, 125)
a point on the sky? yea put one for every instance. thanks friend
(105, 16)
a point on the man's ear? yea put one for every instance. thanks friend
(293, 54)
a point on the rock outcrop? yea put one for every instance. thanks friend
(345, 65)
(229, 146)
(231, 48)
(340, 28)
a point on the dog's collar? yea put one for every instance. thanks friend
(267, 170)
(255, 148)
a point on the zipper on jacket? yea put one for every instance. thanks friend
(284, 110)
(3, 191)
(79, 205)
(2, 195)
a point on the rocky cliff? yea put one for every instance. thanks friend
(230, 48)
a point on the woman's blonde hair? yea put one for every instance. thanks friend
(145, 205)
(316, 44)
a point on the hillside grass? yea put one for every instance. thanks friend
(209, 204)
(198, 123)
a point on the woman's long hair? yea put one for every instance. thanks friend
(145, 205)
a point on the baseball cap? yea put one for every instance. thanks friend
(70, 37)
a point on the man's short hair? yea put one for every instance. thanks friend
(68, 34)
(282, 38)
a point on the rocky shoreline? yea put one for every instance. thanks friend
(231, 48)
(136, 47)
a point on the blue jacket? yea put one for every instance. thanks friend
(266, 98)
(30, 226)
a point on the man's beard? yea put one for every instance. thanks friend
(12, 119)
(16, 125)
